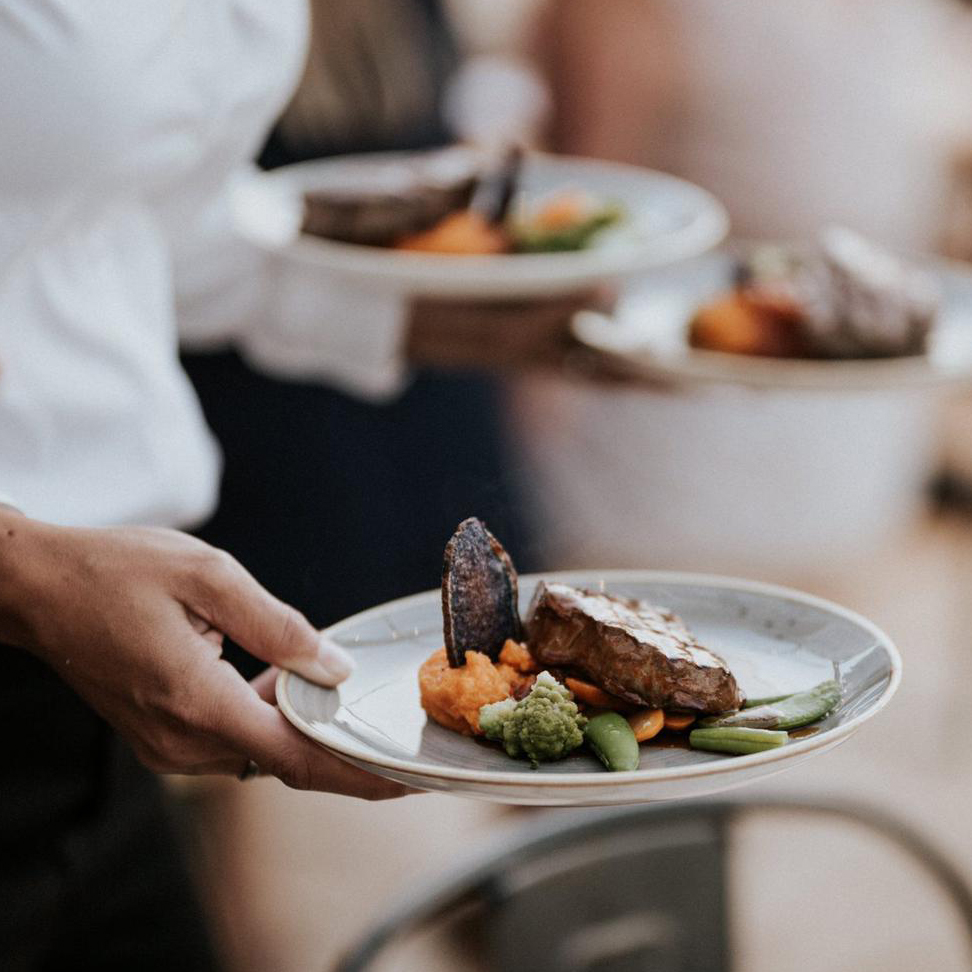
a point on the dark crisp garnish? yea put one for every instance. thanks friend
(479, 594)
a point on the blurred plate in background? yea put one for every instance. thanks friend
(648, 334)
(775, 640)
(668, 219)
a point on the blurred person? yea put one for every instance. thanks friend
(794, 115)
(123, 126)
(355, 497)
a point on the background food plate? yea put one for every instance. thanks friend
(774, 639)
(668, 220)
(648, 334)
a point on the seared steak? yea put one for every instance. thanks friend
(380, 219)
(377, 201)
(640, 653)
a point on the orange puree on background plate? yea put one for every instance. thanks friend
(454, 696)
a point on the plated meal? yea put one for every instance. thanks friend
(773, 641)
(586, 669)
(842, 297)
(456, 223)
(836, 314)
(458, 204)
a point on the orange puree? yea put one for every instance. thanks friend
(518, 656)
(454, 696)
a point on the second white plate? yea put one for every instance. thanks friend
(648, 333)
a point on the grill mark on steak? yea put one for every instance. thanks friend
(641, 653)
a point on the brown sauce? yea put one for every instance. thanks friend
(669, 740)
(803, 733)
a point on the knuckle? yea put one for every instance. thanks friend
(168, 702)
(161, 754)
(196, 712)
(223, 566)
(207, 715)
(212, 572)
(295, 771)
(296, 636)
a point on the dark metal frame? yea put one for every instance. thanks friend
(700, 828)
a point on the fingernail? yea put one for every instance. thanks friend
(334, 662)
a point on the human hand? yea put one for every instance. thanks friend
(495, 334)
(133, 620)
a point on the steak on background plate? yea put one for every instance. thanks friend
(640, 653)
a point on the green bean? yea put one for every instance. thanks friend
(790, 712)
(738, 740)
(613, 741)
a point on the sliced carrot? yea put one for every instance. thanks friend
(592, 695)
(677, 721)
(647, 723)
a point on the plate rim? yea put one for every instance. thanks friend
(602, 778)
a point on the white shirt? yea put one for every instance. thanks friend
(121, 126)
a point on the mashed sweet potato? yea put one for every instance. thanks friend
(518, 656)
(454, 696)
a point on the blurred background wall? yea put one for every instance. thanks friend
(793, 114)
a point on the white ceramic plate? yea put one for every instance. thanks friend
(667, 220)
(649, 334)
(774, 639)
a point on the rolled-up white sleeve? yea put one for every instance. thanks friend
(285, 318)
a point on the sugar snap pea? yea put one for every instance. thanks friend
(790, 712)
(739, 740)
(613, 741)
(765, 700)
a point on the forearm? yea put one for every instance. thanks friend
(15, 554)
(40, 572)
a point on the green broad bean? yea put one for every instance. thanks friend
(739, 740)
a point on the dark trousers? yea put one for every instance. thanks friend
(90, 872)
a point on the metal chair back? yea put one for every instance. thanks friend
(641, 890)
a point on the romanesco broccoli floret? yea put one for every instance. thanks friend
(493, 717)
(544, 726)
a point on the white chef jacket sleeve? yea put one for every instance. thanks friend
(286, 319)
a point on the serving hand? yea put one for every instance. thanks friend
(133, 620)
(495, 334)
